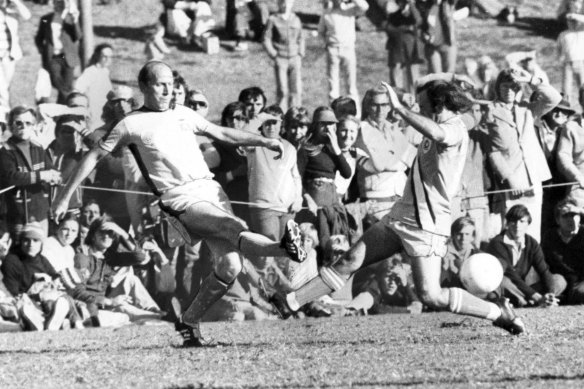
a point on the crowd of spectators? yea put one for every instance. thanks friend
(113, 260)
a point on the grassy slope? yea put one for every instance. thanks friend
(222, 76)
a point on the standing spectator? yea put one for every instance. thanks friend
(439, 34)
(284, 42)
(519, 252)
(179, 88)
(563, 247)
(405, 50)
(516, 158)
(10, 50)
(337, 28)
(26, 165)
(320, 158)
(255, 101)
(296, 122)
(570, 157)
(95, 82)
(197, 101)
(57, 40)
(275, 186)
(389, 151)
(571, 55)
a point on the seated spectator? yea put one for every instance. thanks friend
(27, 272)
(563, 248)
(9, 312)
(519, 252)
(107, 278)
(90, 211)
(57, 249)
(460, 247)
(296, 122)
(245, 300)
(301, 273)
(389, 290)
(246, 19)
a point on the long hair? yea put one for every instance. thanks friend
(230, 109)
(97, 52)
(446, 95)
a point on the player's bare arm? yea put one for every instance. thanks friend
(244, 138)
(85, 167)
(426, 126)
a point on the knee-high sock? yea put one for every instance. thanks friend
(462, 302)
(257, 245)
(212, 289)
(326, 282)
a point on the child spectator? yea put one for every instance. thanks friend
(519, 252)
(284, 42)
(337, 28)
(571, 55)
(296, 122)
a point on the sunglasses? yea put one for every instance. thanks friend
(240, 118)
(200, 104)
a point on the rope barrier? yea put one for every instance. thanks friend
(7, 189)
(500, 191)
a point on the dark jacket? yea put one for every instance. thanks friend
(565, 258)
(19, 269)
(31, 196)
(70, 37)
(532, 256)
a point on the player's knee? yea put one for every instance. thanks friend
(349, 263)
(228, 267)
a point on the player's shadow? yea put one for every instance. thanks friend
(130, 33)
(538, 26)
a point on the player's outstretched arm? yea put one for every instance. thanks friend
(426, 126)
(86, 166)
(244, 138)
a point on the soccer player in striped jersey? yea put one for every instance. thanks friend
(419, 222)
(163, 140)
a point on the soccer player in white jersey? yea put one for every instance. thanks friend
(419, 222)
(162, 138)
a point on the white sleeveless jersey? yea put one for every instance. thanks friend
(164, 145)
(434, 180)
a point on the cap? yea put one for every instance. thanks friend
(33, 231)
(264, 117)
(567, 206)
(564, 105)
(120, 92)
(325, 115)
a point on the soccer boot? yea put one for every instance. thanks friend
(191, 334)
(292, 242)
(508, 320)
(280, 304)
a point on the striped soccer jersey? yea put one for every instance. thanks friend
(434, 180)
(164, 144)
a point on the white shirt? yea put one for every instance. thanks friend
(165, 144)
(59, 256)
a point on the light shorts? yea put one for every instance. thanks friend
(178, 199)
(417, 242)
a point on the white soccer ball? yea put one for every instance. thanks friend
(481, 273)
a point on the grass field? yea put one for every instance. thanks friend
(430, 350)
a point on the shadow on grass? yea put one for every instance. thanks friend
(546, 28)
(130, 33)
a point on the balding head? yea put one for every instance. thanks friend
(156, 83)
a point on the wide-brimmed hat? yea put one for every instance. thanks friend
(569, 205)
(33, 231)
(564, 105)
(120, 92)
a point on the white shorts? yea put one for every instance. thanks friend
(417, 242)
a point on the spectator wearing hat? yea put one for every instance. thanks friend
(517, 160)
(519, 253)
(197, 101)
(95, 82)
(389, 151)
(27, 272)
(26, 165)
(320, 158)
(548, 133)
(570, 160)
(563, 248)
(275, 186)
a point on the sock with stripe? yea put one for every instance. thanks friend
(329, 280)
(462, 302)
